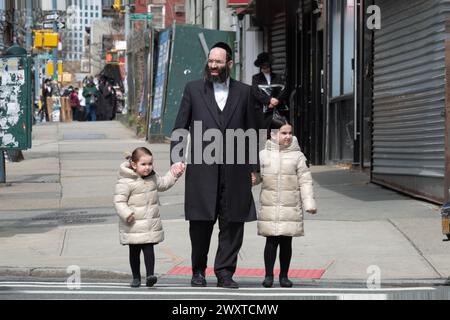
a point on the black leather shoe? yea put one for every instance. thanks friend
(136, 283)
(227, 283)
(198, 280)
(268, 282)
(285, 282)
(150, 281)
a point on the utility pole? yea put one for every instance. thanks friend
(29, 25)
(127, 32)
(55, 51)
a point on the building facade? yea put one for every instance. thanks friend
(81, 15)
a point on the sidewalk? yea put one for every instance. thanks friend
(56, 211)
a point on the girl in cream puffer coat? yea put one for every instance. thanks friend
(286, 190)
(136, 203)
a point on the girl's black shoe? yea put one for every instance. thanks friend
(136, 283)
(285, 282)
(151, 280)
(268, 282)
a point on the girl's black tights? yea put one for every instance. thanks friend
(270, 254)
(135, 259)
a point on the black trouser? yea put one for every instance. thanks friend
(44, 111)
(135, 259)
(231, 235)
(270, 254)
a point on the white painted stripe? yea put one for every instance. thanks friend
(182, 287)
(175, 293)
(363, 297)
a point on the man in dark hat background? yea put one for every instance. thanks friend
(277, 100)
(219, 191)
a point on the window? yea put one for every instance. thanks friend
(342, 46)
(159, 12)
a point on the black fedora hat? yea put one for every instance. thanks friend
(263, 58)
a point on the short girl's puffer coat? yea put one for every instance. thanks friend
(287, 187)
(134, 194)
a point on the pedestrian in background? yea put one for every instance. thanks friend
(136, 203)
(82, 109)
(74, 104)
(47, 94)
(287, 189)
(90, 93)
(265, 103)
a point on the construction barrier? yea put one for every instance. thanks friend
(66, 110)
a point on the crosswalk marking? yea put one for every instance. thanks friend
(176, 293)
(183, 287)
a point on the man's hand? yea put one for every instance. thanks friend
(178, 169)
(131, 218)
(253, 178)
(274, 102)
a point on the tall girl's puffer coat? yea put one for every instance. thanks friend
(287, 187)
(137, 195)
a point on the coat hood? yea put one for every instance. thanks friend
(294, 146)
(125, 171)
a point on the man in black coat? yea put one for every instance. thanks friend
(218, 190)
(277, 99)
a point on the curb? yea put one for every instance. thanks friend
(40, 272)
(98, 274)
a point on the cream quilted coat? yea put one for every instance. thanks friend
(287, 187)
(140, 195)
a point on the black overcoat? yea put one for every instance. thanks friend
(260, 98)
(202, 179)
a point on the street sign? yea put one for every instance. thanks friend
(141, 16)
(51, 17)
(45, 56)
(49, 25)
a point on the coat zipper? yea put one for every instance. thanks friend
(277, 220)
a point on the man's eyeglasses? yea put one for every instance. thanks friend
(217, 62)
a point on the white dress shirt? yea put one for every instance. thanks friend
(268, 77)
(221, 93)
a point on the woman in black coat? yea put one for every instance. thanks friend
(277, 100)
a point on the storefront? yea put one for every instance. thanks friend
(410, 95)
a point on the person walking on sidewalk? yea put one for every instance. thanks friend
(136, 203)
(74, 104)
(221, 190)
(287, 189)
(90, 93)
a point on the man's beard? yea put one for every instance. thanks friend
(224, 73)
